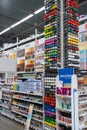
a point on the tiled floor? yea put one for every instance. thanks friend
(7, 124)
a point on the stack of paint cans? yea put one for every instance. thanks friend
(71, 25)
(52, 60)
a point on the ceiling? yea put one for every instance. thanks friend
(11, 11)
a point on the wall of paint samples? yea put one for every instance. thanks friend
(26, 55)
(21, 60)
(52, 60)
(39, 59)
(29, 59)
(71, 25)
(83, 45)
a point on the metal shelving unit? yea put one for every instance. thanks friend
(16, 108)
(71, 102)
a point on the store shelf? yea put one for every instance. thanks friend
(6, 99)
(83, 19)
(82, 94)
(38, 110)
(21, 92)
(27, 107)
(83, 127)
(23, 77)
(2, 80)
(82, 109)
(12, 118)
(52, 113)
(27, 93)
(23, 72)
(14, 111)
(35, 128)
(20, 105)
(27, 100)
(6, 95)
(64, 123)
(83, 102)
(5, 106)
(83, 114)
(63, 96)
(63, 110)
(37, 120)
(7, 115)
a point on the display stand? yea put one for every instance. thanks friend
(66, 100)
(71, 100)
(61, 49)
(52, 61)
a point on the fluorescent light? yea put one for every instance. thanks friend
(7, 29)
(39, 10)
(23, 20)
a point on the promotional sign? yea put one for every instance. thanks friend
(66, 74)
(27, 125)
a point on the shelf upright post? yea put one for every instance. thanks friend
(17, 43)
(84, 55)
(74, 102)
(17, 49)
(43, 96)
(62, 32)
(35, 49)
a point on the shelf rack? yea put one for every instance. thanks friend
(61, 47)
(66, 100)
(15, 105)
(71, 101)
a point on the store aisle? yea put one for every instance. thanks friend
(7, 124)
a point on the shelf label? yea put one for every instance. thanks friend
(65, 75)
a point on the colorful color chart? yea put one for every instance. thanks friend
(39, 53)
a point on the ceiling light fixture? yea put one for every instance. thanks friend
(23, 20)
(7, 29)
(39, 10)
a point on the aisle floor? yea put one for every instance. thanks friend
(7, 124)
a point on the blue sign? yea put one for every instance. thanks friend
(66, 74)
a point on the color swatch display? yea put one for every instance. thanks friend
(21, 60)
(71, 33)
(29, 59)
(83, 46)
(20, 64)
(52, 60)
(12, 55)
(83, 54)
(39, 56)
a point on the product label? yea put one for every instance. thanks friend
(66, 74)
